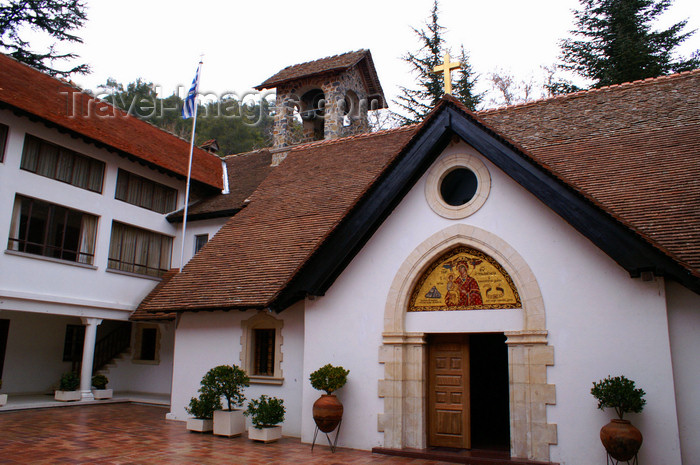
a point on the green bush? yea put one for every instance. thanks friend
(100, 381)
(329, 378)
(70, 381)
(618, 393)
(204, 406)
(227, 381)
(266, 411)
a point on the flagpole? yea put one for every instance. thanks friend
(189, 170)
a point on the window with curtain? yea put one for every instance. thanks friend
(142, 192)
(3, 141)
(51, 230)
(59, 163)
(140, 251)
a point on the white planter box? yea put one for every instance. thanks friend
(229, 423)
(202, 426)
(102, 393)
(67, 396)
(3, 399)
(265, 435)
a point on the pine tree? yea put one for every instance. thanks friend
(53, 17)
(416, 103)
(617, 43)
(464, 85)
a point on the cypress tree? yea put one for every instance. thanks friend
(614, 42)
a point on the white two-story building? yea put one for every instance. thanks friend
(85, 190)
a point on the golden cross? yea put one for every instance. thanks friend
(446, 69)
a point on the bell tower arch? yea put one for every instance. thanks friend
(332, 95)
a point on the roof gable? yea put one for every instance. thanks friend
(29, 92)
(294, 234)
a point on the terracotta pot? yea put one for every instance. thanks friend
(328, 411)
(621, 439)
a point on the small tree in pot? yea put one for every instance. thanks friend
(227, 381)
(100, 384)
(68, 387)
(327, 410)
(265, 413)
(620, 438)
(202, 409)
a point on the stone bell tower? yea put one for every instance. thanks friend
(325, 99)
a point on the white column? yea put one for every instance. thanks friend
(88, 357)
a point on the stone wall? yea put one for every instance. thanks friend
(335, 88)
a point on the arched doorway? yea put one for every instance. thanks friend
(405, 355)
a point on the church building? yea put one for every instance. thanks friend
(476, 272)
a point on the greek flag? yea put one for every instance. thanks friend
(191, 99)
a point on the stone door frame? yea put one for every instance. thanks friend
(404, 354)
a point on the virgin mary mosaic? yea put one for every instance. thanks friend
(464, 279)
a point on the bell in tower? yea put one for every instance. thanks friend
(331, 97)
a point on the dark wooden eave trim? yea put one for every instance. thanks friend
(322, 269)
(176, 217)
(623, 245)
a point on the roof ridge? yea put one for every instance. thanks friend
(364, 135)
(580, 93)
(243, 154)
(324, 58)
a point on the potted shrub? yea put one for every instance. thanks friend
(99, 382)
(202, 409)
(620, 438)
(327, 410)
(3, 397)
(265, 413)
(68, 387)
(227, 381)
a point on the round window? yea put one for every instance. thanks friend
(458, 187)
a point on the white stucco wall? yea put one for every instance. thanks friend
(204, 340)
(99, 292)
(126, 373)
(684, 325)
(600, 322)
(34, 355)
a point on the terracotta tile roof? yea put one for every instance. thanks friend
(27, 91)
(140, 314)
(331, 64)
(633, 148)
(259, 250)
(245, 172)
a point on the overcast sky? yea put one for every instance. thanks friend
(245, 43)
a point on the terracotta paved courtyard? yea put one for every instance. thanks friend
(139, 434)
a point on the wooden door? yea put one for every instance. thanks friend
(448, 391)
